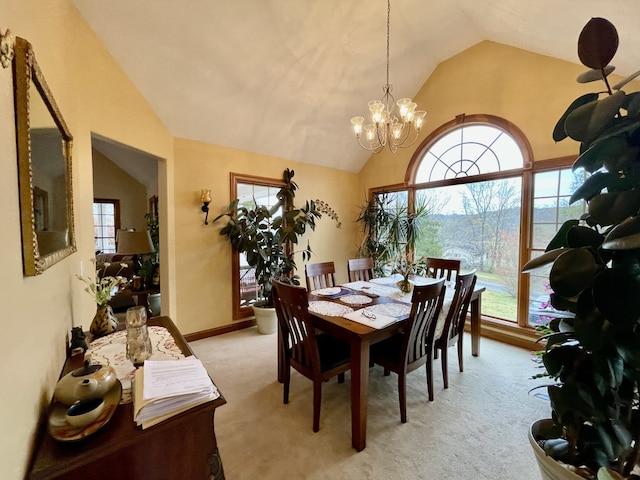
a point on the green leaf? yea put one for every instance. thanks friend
(612, 208)
(593, 159)
(593, 74)
(573, 271)
(624, 81)
(615, 294)
(559, 132)
(543, 260)
(592, 186)
(588, 121)
(597, 43)
(580, 236)
(624, 236)
(560, 238)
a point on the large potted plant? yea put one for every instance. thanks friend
(594, 358)
(268, 237)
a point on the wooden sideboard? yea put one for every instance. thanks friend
(182, 447)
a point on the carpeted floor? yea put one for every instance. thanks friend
(476, 429)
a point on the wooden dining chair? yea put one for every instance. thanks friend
(412, 348)
(442, 267)
(320, 275)
(360, 269)
(317, 356)
(453, 328)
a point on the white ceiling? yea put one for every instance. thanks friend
(284, 77)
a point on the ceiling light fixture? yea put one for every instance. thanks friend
(386, 128)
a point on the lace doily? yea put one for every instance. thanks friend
(390, 309)
(355, 299)
(330, 309)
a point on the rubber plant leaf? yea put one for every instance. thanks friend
(624, 81)
(560, 238)
(543, 260)
(559, 132)
(624, 236)
(573, 271)
(597, 43)
(592, 186)
(633, 107)
(588, 121)
(580, 236)
(593, 75)
(612, 208)
(593, 158)
(615, 294)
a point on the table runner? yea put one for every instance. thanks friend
(111, 350)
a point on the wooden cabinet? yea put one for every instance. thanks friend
(183, 447)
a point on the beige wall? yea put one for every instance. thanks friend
(95, 96)
(203, 261)
(110, 181)
(531, 91)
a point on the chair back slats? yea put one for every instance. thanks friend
(320, 275)
(426, 304)
(442, 268)
(456, 317)
(360, 269)
(297, 333)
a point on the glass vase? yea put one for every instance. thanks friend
(138, 341)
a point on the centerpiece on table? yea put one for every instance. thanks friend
(407, 267)
(102, 289)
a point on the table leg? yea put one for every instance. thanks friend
(476, 308)
(359, 393)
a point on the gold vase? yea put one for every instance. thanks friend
(405, 286)
(104, 322)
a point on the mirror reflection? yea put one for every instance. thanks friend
(44, 165)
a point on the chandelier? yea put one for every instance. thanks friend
(386, 128)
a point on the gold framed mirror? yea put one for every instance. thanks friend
(44, 167)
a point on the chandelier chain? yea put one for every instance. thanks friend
(388, 23)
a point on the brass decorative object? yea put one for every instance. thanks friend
(6, 48)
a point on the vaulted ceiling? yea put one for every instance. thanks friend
(284, 77)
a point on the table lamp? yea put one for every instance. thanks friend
(136, 244)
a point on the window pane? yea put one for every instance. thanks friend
(479, 224)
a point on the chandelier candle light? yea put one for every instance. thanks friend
(386, 128)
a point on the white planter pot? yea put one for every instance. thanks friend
(549, 468)
(266, 319)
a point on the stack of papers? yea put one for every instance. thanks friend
(164, 388)
(372, 320)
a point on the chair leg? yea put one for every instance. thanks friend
(460, 361)
(430, 376)
(286, 379)
(317, 396)
(402, 395)
(445, 367)
(341, 377)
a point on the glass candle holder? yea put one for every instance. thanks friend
(138, 341)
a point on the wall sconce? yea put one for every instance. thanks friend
(205, 196)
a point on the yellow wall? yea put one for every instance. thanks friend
(95, 96)
(110, 181)
(203, 261)
(531, 91)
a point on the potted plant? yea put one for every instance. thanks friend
(406, 267)
(267, 237)
(594, 358)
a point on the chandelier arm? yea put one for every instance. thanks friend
(369, 148)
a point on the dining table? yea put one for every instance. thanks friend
(328, 309)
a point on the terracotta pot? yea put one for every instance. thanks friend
(549, 468)
(266, 318)
(104, 322)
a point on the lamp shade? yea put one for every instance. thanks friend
(132, 243)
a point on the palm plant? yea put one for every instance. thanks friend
(594, 358)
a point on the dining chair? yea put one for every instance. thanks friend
(442, 267)
(320, 275)
(360, 269)
(317, 356)
(453, 328)
(412, 348)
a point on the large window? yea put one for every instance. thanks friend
(249, 190)
(492, 208)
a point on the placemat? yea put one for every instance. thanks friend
(330, 309)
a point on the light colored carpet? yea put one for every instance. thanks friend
(476, 429)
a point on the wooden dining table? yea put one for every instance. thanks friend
(360, 337)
